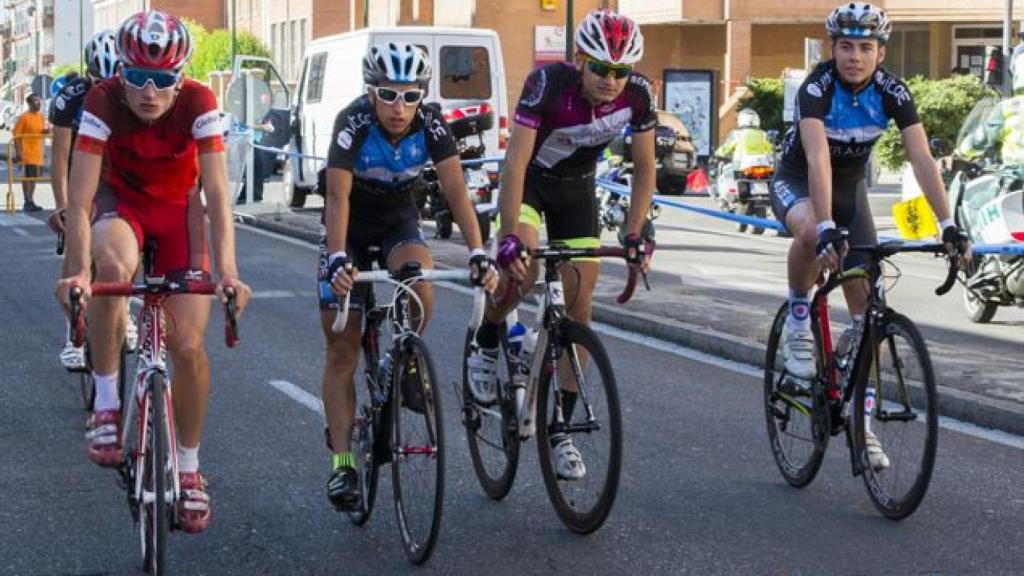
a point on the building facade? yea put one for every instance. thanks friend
(28, 36)
(111, 13)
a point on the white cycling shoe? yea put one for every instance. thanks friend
(798, 351)
(876, 456)
(482, 368)
(72, 358)
(568, 461)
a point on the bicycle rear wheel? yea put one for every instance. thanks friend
(491, 431)
(418, 449)
(796, 411)
(593, 424)
(156, 481)
(364, 433)
(904, 418)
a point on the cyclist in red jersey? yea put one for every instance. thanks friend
(152, 135)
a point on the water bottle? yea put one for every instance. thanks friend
(515, 339)
(529, 344)
(847, 340)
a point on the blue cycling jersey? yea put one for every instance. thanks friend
(853, 121)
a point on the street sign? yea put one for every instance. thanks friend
(41, 85)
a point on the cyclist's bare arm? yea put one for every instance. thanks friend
(85, 178)
(453, 184)
(819, 167)
(336, 214)
(915, 141)
(513, 176)
(59, 173)
(643, 178)
(213, 173)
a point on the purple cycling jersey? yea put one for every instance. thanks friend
(571, 133)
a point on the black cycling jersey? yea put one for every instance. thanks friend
(853, 121)
(66, 108)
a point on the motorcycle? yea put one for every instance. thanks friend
(743, 188)
(987, 202)
(613, 210)
(465, 121)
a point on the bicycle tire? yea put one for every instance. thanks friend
(569, 333)
(780, 407)
(366, 429)
(923, 397)
(418, 543)
(497, 484)
(156, 516)
(86, 383)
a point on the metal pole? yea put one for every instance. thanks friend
(234, 38)
(1007, 50)
(39, 37)
(568, 31)
(250, 156)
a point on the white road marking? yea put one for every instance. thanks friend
(21, 232)
(311, 402)
(274, 294)
(16, 220)
(299, 395)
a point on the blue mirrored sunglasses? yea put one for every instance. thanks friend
(139, 77)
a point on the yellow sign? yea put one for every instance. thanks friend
(914, 219)
(549, 5)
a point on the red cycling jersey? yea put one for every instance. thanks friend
(158, 159)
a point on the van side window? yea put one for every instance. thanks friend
(315, 86)
(465, 72)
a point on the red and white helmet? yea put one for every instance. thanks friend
(609, 37)
(156, 40)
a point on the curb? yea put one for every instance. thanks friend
(965, 406)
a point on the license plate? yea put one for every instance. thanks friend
(681, 158)
(759, 189)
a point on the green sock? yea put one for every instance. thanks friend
(344, 459)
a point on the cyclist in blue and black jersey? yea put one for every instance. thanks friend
(380, 145)
(843, 107)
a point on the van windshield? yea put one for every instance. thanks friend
(465, 73)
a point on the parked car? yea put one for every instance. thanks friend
(468, 68)
(678, 165)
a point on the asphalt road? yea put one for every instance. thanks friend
(700, 493)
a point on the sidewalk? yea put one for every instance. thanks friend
(720, 324)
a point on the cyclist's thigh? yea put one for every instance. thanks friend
(859, 221)
(116, 237)
(790, 202)
(348, 339)
(403, 240)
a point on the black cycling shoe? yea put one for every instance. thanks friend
(412, 389)
(343, 488)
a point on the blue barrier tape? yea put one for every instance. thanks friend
(621, 190)
(478, 161)
(287, 153)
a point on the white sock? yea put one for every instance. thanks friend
(188, 458)
(106, 392)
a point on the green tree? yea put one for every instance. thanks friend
(213, 52)
(942, 106)
(766, 99)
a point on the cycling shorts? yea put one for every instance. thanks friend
(179, 230)
(568, 205)
(850, 209)
(367, 244)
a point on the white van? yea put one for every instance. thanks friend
(467, 68)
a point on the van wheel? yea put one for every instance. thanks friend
(444, 225)
(297, 198)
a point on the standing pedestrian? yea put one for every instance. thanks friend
(28, 149)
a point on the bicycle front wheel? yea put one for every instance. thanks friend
(491, 430)
(417, 446)
(896, 402)
(796, 410)
(586, 416)
(157, 486)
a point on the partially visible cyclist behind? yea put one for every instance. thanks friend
(566, 116)
(381, 142)
(145, 140)
(65, 113)
(1003, 130)
(844, 106)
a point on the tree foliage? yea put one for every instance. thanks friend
(213, 50)
(942, 106)
(766, 99)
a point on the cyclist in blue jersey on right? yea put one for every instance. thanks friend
(843, 108)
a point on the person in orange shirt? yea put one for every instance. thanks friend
(28, 151)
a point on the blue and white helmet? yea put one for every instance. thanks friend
(101, 55)
(396, 62)
(859, 20)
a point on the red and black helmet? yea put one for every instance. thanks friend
(610, 37)
(154, 40)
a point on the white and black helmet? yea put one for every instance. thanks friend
(101, 55)
(859, 20)
(748, 118)
(396, 62)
